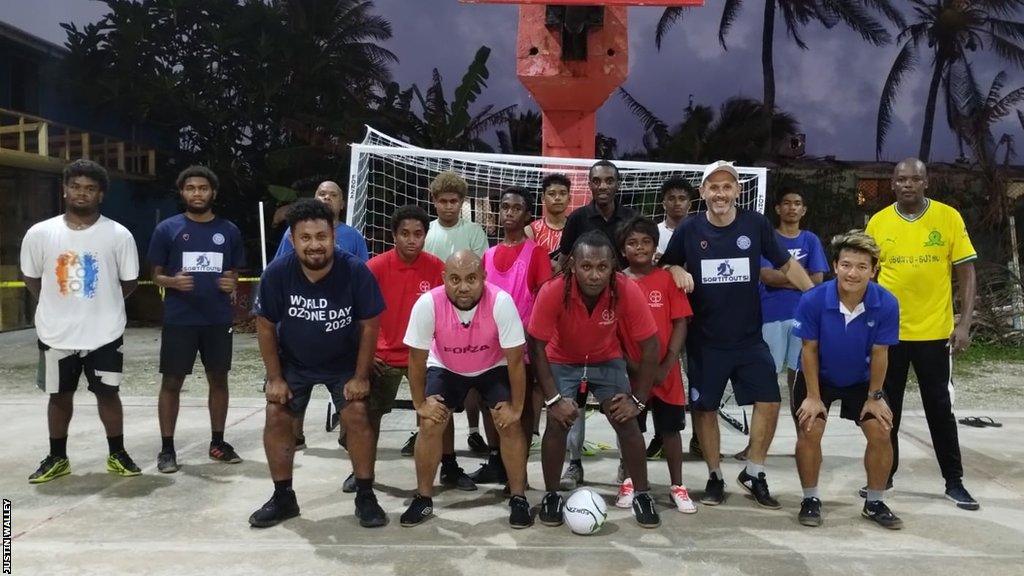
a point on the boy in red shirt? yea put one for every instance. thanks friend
(638, 241)
(575, 325)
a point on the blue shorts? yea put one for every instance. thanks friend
(604, 380)
(492, 385)
(750, 370)
(302, 391)
(784, 346)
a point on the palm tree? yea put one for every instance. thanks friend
(795, 14)
(521, 134)
(737, 133)
(952, 29)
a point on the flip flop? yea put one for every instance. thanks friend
(988, 421)
(972, 421)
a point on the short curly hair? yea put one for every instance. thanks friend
(196, 171)
(309, 209)
(88, 169)
(448, 181)
(409, 212)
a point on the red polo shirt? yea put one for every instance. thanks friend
(401, 284)
(666, 303)
(575, 336)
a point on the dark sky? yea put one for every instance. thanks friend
(832, 89)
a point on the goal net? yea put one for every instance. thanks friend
(386, 173)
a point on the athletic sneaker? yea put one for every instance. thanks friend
(167, 462)
(50, 468)
(455, 477)
(956, 493)
(810, 512)
(224, 452)
(573, 477)
(758, 488)
(300, 443)
(349, 485)
(490, 472)
(420, 510)
(654, 450)
(551, 509)
(121, 463)
(878, 512)
(681, 498)
(863, 492)
(477, 444)
(276, 510)
(409, 448)
(519, 512)
(625, 496)
(714, 491)
(644, 511)
(369, 512)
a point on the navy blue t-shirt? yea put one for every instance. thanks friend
(318, 324)
(205, 250)
(725, 263)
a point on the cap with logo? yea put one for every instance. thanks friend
(719, 166)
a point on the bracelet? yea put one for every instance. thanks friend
(639, 404)
(551, 401)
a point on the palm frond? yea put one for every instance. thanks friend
(730, 11)
(668, 19)
(905, 62)
(649, 120)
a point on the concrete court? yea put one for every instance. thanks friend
(194, 522)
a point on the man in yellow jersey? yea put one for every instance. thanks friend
(923, 242)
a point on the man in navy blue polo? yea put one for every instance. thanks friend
(846, 325)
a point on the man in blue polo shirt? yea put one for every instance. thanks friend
(317, 319)
(196, 257)
(345, 237)
(722, 248)
(847, 325)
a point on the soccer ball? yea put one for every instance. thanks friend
(585, 512)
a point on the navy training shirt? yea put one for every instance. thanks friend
(318, 323)
(725, 263)
(205, 250)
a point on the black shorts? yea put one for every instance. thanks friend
(751, 371)
(302, 391)
(852, 398)
(667, 418)
(492, 385)
(179, 345)
(60, 370)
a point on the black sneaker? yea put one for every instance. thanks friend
(349, 485)
(654, 448)
(810, 512)
(490, 472)
(879, 513)
(409, 448)
(455, 477)
(519, 512)
(863, 492)
(644, 512)
(551, 509)
(419, 511)
(167, 462)
(275, 511)
(300, 443)
(121, 463)
(477, 444)
(758, 488)
(959, 495)
(369, 512)
(714, 492)
(223, 452)
(50, 468)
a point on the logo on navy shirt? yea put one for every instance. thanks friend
(743, 242)
(703, 244)
(185, 236)
(725, 270)
(218, 238)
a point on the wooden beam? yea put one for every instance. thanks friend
(23, 127)
(43, 142)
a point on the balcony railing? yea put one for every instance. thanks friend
(34, 142)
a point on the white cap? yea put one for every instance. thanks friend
(719, 166)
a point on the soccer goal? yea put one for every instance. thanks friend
(386, 173)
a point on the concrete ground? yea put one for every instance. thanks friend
(194, 522)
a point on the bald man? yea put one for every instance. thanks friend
(923, 244)
(346, 237)
(466, 335)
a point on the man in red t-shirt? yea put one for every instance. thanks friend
(547, 230)
(638, 242)
(575, 324)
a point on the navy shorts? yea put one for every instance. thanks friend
(604, 380)
(180, 344)
(492, 385)
(751, 371)
(302, 390)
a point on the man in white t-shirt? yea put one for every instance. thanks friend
(80, 266)
(676, 194)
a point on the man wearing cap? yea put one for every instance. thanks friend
(722, 248)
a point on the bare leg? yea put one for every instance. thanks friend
(877, 454)
(706, 428)
(672, 446)
(217, 400)
(279, 441)
(632, 449)
(167, 405)
(808, 453)
(58, 413)
(762, 430)
(362, 447)
(428, 453)
(111, 414)
(513, 456)
(552, 453)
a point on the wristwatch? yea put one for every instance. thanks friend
(877, 395)
(551, 401)
(640, 405)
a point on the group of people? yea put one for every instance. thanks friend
(601, 301)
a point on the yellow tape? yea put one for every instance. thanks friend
(20, 284)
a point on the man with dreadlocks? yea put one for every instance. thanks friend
(575, 324)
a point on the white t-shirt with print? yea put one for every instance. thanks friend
(81, 306)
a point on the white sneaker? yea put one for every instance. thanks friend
(681, 498)
(625, 497)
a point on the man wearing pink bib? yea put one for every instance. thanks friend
(465, 336)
